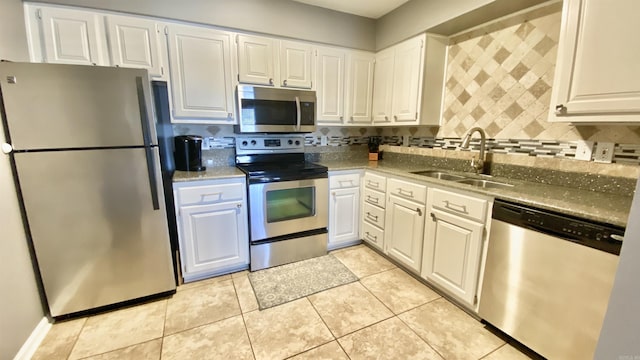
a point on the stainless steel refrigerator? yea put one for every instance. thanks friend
(87, 170)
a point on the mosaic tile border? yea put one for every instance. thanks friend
(623, 153)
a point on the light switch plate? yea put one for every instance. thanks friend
(604, 152)
(584, 150)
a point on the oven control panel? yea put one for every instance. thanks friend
(269, 144)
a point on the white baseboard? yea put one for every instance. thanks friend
(31, 345)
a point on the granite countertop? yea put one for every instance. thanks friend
(596, 206)
(211, 173)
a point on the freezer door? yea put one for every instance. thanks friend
(97, 237)
(53, 106)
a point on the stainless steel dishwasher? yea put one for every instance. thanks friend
(548, 278)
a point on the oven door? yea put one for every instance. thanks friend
(288, 207)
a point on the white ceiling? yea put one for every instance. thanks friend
(368, 8)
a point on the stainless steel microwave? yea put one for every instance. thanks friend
(272, 110)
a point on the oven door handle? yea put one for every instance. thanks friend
(298, 114)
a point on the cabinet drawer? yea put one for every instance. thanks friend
(373, 215)
(372, 234)
(344, 181)
(459, 204)
(374, 197)
(408, 190)
(376, 182)
(210, 193)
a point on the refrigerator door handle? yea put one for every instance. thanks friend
(146, 135)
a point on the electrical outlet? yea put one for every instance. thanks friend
(604, 152)
(584, 150)
(405, 140)
(323, 140)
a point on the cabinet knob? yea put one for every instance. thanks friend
(433, 217)
(229, 115)
(351, 118)
(386, 118)
(341, 118)
(419, 211)
(561, 110)
(395, 117)
(270, 81)
(239, 206)
(284, 83)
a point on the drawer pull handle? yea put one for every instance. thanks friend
(404, 192)
(371, 237)
(373, 183)
(419, 211)
(345, 181)
(455, 207)
(433, 217)
(372, 217)
(372, 199)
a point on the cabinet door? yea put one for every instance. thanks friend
(344, 206)
(359, 88)
(383, 87)
(295, 64)
(407, 81)
(201, 74)
(214, 237)
(404, 232)
(452, 249)
(330, 86)
(72, 36)
(255, 60)
(598, 70)
(133, 43)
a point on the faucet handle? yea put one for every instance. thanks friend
(477, 164)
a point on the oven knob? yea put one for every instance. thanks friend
(253, 142)
(297, 142)
(290, 142)
(244, 143)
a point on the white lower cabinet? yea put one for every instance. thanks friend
(212, 227)
(344, 209)
(453, 243)
(404, 232)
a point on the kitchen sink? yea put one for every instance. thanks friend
(485, 183)
(439, 175)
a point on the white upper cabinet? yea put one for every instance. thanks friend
(330, 85)
(344, 86)
(201, 74)
(598, 69)
(383, 87)
(71, 36)
(255, 60)
(273, 62)
(133, 42)
(408, 82)
(359, 87)
(296, 66)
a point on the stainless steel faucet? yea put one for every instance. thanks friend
(478, 165)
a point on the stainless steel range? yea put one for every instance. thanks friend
(288, 200)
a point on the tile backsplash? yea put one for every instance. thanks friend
(499, 77)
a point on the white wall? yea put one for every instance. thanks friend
(20, 307)
(276, 17)
(620, 335)
(442, 17)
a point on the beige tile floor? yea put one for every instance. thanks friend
(386, 315)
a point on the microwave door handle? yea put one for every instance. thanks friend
(298, 113)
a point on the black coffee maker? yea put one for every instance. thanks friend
(188, 155)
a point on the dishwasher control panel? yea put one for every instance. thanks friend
(599, 236)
